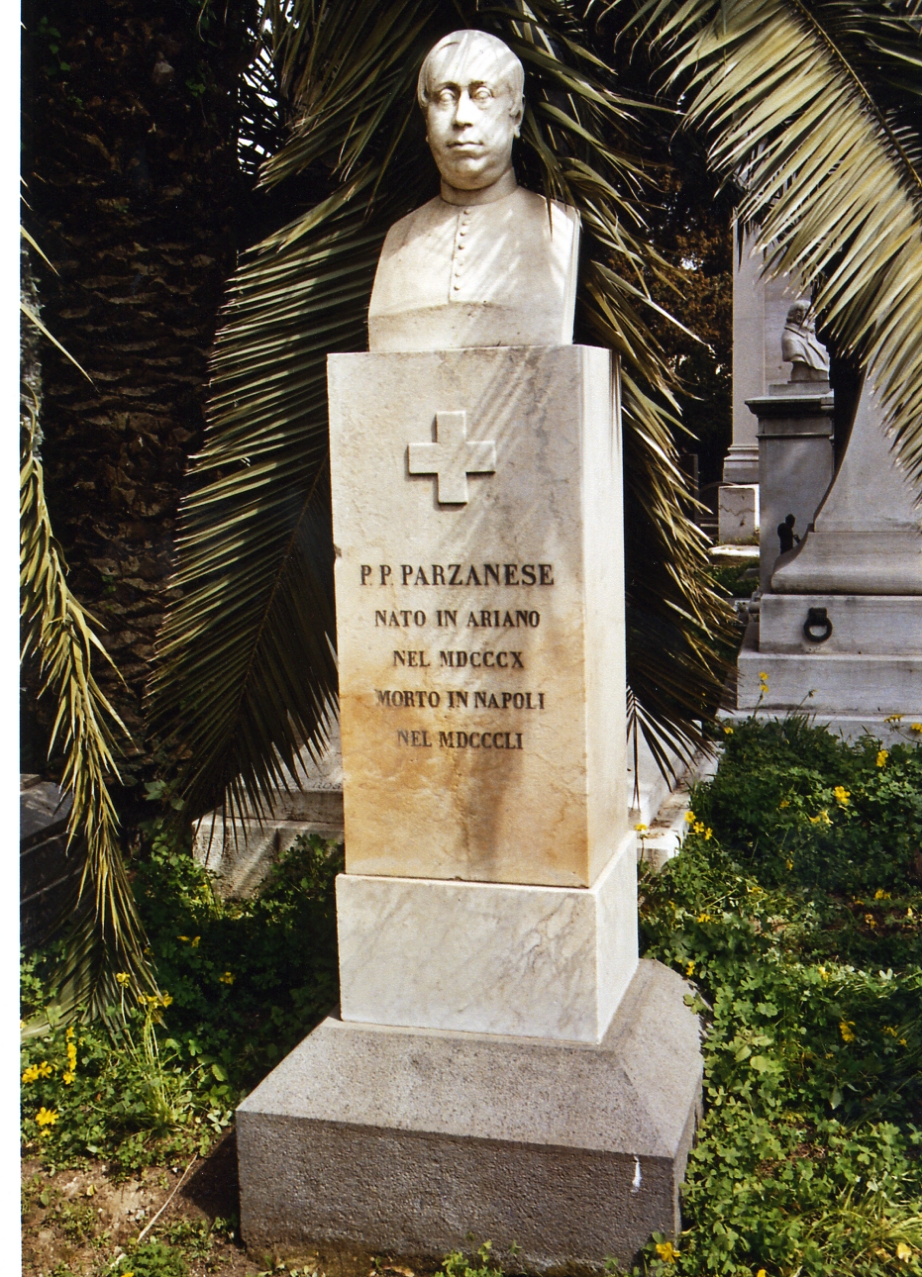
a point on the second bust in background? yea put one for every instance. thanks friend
(485, 263)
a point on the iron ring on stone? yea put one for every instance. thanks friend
(817, 619)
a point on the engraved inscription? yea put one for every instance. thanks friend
(490, 709)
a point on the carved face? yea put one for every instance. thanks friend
(472, 114)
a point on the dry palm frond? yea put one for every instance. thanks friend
(104, 933)
(247, 670)
(813, 109)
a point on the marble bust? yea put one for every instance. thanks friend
(485, 263)
(800, 347)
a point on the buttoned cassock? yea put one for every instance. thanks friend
(497, 274)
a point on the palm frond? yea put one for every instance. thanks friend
(807, 106)
(104, 933)
(247, 671)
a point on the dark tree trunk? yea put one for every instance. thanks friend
(136, 197)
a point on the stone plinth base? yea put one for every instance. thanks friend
(407, 1141)
(885, 625)
(486, 957)
(848, 684)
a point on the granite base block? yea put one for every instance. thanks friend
(407, 1141)
(488, 957)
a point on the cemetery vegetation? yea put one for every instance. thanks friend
(241, 983)
(794, 912)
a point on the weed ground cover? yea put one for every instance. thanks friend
(795, 912)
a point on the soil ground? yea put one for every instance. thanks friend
(76, 1222)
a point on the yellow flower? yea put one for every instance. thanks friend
(728, 731)
(841, 795)
(195, 941)
(227, 978)
(845, 1028)
(69, 1034)
(707, 834)
(35, 1071)
(166, 1000)
(123, 978)
(67, 1078)
(698, 827)
(763, 676)
(690, 969)
(916, 727)
(882, 756)
(888, 1028)
(821, 818)
(785, 802)
(880, 894)
(870, 920)
(704, 917)
(690, 817)
(667, 1252)
(894, 718)
(46, 1117)
(789, 864)
(903, 1251)
(184, 939)
(761, 1273)
(824, 974)
(641, 829)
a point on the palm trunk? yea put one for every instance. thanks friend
(135, 194)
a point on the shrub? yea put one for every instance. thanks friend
(808, 1156)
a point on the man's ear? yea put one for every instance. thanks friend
(517, 115)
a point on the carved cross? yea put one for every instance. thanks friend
(452, 457)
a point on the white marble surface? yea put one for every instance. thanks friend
(501, 273)
(737, 512)
(886, 625)
(867, 538)
(796, 463)
(835, 683)
(759, 311)
(512, 598)
(541, 962)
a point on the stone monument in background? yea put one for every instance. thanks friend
(759, 309)
(838, 630)
(502, 1064)
(795, 438)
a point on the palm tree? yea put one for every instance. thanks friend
(802, 111)
(130, 125)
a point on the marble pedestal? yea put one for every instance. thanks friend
(501, 1065)
(541, 962)
(795, 462)
(840, 629)
(408, 1141)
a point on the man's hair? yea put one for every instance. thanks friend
(513, 75)
(798, 312)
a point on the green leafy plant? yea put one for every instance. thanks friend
(106, 933)
(808, 1157)
(242, 984)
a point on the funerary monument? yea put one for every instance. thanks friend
(502, 1064)
(838, 632)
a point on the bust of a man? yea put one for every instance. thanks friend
(485, 263)
(800, 347)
